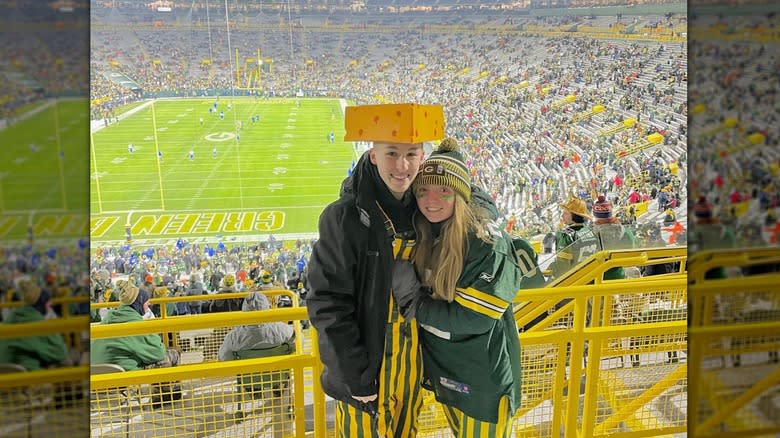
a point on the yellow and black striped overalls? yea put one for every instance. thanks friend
(400, 398)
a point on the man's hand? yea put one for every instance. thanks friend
(365, 399)
(405, 284)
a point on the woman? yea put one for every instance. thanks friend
(469, 339)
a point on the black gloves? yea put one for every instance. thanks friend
(406, 288)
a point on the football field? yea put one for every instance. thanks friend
(43, 161)
(248, 167)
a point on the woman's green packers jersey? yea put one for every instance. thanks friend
(471, 352)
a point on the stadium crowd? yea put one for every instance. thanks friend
(734, 132)
(500, 121)
(187, 269)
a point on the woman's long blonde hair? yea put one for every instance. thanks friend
(445, 260)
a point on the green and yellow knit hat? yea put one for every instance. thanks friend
(446, 167)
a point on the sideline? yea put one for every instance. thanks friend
(22, 117)
(97, 125)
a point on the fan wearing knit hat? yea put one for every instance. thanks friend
(602, 212)
(702, 211)
(131, 352)
(611, 234)
(707, 232)
(32, 352)
(471, 272)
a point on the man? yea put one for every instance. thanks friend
(610, 234)
(369, 351)
(709, 233)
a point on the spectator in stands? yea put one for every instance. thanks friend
(132, 352)
(182, 307)
(469, 342)
(230, 304)
(257, 336)
(574, 216)
(548, 243)
(214, 280)
(365, 345)
(195, 289)
(611, 234)
(170, 308)
(267, 281)
(669, 217)
(33, 352)
(708, 233)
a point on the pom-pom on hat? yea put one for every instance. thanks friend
(127, 292)
(229, 280)
(446, 167)
(602, 209)
(702, 209)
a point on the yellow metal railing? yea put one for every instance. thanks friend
(635, 361)
(735, 339)
(48, 402)
(209, 398)
(64, 301)
(200, 344)
(634, 358)
(593, 268)
(591, 271)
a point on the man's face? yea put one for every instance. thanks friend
(397, 164)
(566, 217)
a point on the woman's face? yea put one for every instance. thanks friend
(436, 202)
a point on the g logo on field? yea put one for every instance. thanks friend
(221, 136)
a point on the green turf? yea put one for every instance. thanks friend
(39, 187)
(277, 179)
